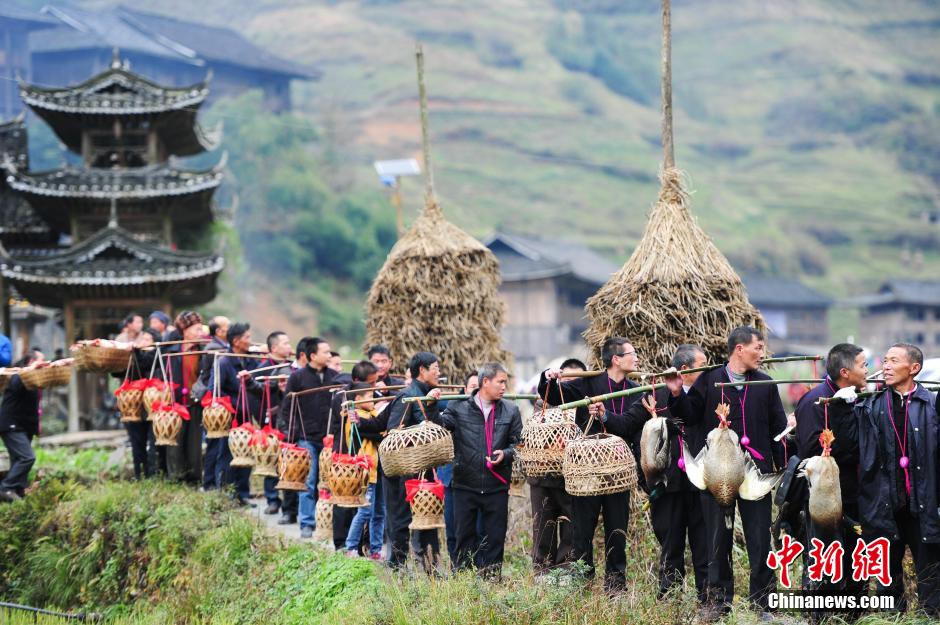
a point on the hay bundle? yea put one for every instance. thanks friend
(438, 288)
(677, 286)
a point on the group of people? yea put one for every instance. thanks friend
(887, 447)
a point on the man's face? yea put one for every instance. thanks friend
(430, 375)
(688, 379)
(382, 362)
(371, 379)
(321, 357)
(473, 383)
(494, 388)
(143, 340)
(751, 354)
(336, 364)
(898, 368)
(38, 357)
(137, 324)
(281, 347)
(242, 343)
(626, 359)
(857, 376)
(156, 324)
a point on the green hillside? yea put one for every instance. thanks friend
(810, 130)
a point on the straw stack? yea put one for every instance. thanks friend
(677, 287)
(438, 288)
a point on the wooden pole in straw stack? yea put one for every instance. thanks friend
(438, 288)
(677, 287)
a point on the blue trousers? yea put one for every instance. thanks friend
(374, 515)
(212, 468)
(308, 498)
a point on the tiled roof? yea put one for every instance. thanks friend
(524, 257)
(106, 184)
(766, 291)
(113, 256)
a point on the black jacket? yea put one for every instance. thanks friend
(878, 465)
(20, 409)
(257, 399)
(464, 419)
(400, 414)
(141, 363)
(810, 422)
(229, 385)
(313, 409)
(636, 417)
(580, 388)
(765, 416)
(174, 368)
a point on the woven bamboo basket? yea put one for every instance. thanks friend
(348, 484)
(100, 358)
(427, 511)
(217, 421)
(325, 461)
(166, 427)
(600, 464)
(411, 450)
(324, 517)
(517, 480)
(153, 395)
(242, 455)
(266, 456)
(130, 404)
(46, 377)
(293, 467)
(542, 449)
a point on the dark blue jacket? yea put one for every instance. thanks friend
(878, 465)
(810, 422)
(764, 414)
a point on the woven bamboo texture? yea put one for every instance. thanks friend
(517, 479)
(99, 358)
(6, 374)
(153, 395)
(238, 440)
(411, 450)
(427, 511)
(266, 456)
(323, 468)
(130, 404)
(348, 484)
(600, 464)
(293, 467)
(166, 427)
(46, 377)
(324, 519)
(544, 439)
(217, 421)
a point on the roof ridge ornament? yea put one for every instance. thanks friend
(113, 219)
(115, 58)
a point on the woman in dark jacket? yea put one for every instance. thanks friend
(19, 423)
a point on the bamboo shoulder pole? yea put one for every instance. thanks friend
(369, 401)
(624, 393)
(318, 389)
(269, 367)
(217, 355)
(768, 382)
(394, 387)
(770, 361)
(409, 400)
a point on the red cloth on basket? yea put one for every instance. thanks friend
(132, 385)
(179, 409)
(413, 486)
(223, 401)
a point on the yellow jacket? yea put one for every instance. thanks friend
(369, 448)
